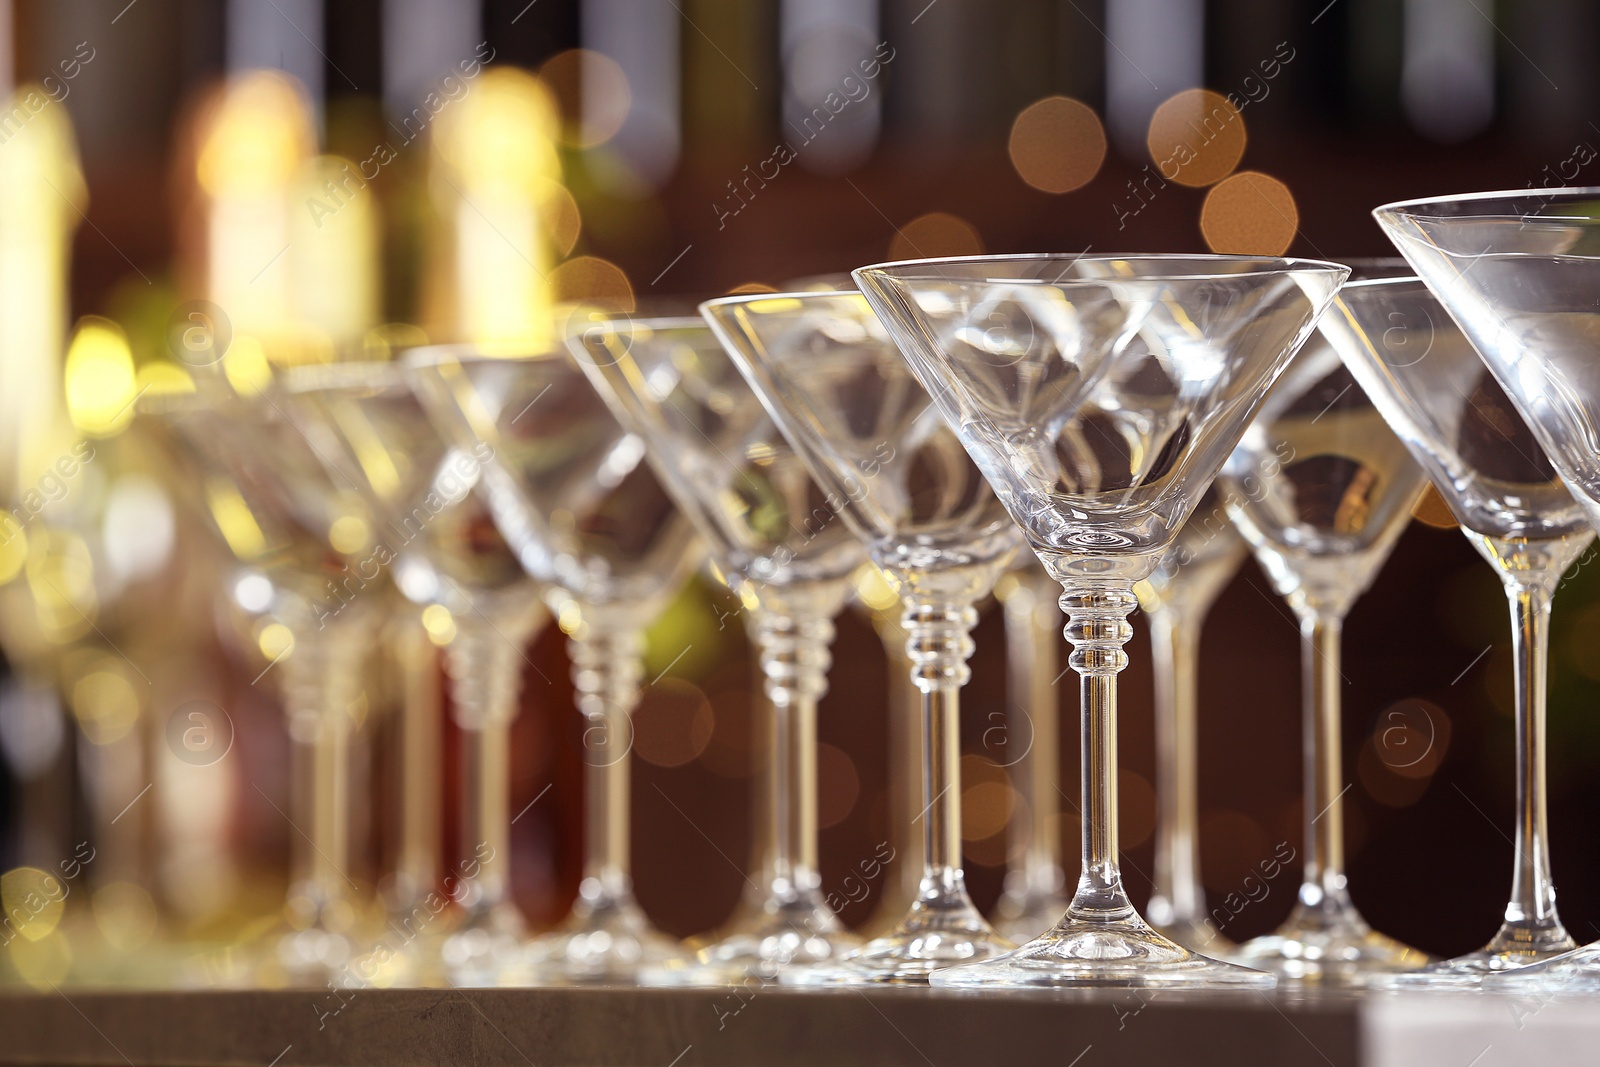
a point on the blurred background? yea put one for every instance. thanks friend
(702, 147)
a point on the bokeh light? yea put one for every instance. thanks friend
(591, 89)
(1250, 214)
(1196, 138)
(1057, 144)
(673, 724)
(100, 381)
(1431, 510)
(935, 234)
(592, 280)
(838, 785)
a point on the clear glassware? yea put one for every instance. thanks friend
(1321, 489)
(837, 389)
(1013, 348)
(879, 600)
(299, 539)
(789, 561)
(1176, 597)
(1035, 888)
(570, 492)
(1428, 382)
(1517, 271)
(441, 548)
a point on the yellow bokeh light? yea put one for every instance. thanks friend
(246, 366)
(100, 381)
(592, 280)
(45, 963)
(60, 572)
(234, 519)
(439, 623)
(1196, 137)
(163, 378)
(13, 548)
(874, 589)
(1250, 214)
(501, 138)
(1057, 144)
(936, 234)
(106, 705)
(257, 136)
(749, 288)
(348, 534)
(275, 641)
(33, 900)
(592, 92)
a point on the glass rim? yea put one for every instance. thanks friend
(805, 294)
(1410, 208)
(901, 269)
(1368, 283)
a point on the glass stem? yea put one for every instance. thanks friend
(1033, 625)
(485, 667)
(416, 867)
(794, 659)
(938, 643)
(1175, 640)
(606, 671)
(319, 685)
(1533, 894)
(1322, 887)
(1097, 627)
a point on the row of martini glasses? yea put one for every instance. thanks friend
(1119, 414)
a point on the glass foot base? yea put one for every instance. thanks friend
(311, 957)
(1511, 950)
(1023, 918)
(486, 949)
(1079, 953)
(1196, 934)
(930, 938)
(800, 935)
(1340, 953)
(607, 942)
(1571, 972)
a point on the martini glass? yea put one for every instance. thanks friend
(1034, 896)
(1518, 272)
(1012, 349)
(1321, 490)
(1430, 385)
(444, 550)
(572, 496)
(301, 542)
(1176, 597)
(837, 389)
(783, 553)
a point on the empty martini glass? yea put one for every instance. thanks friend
(781, 550)
(1321, 489)
(1176, 597)
(842, 396)
(301, 540)
(1430, 385)
(1012, 348)
(443, 550)
(586, 517)
(1035, 890)
(1519, 271)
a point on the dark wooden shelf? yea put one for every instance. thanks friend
(780, 1026)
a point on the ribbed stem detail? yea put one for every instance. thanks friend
(939, 643)
(484, 664)
(794, 659)
(1097, 626)
(606, 671)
